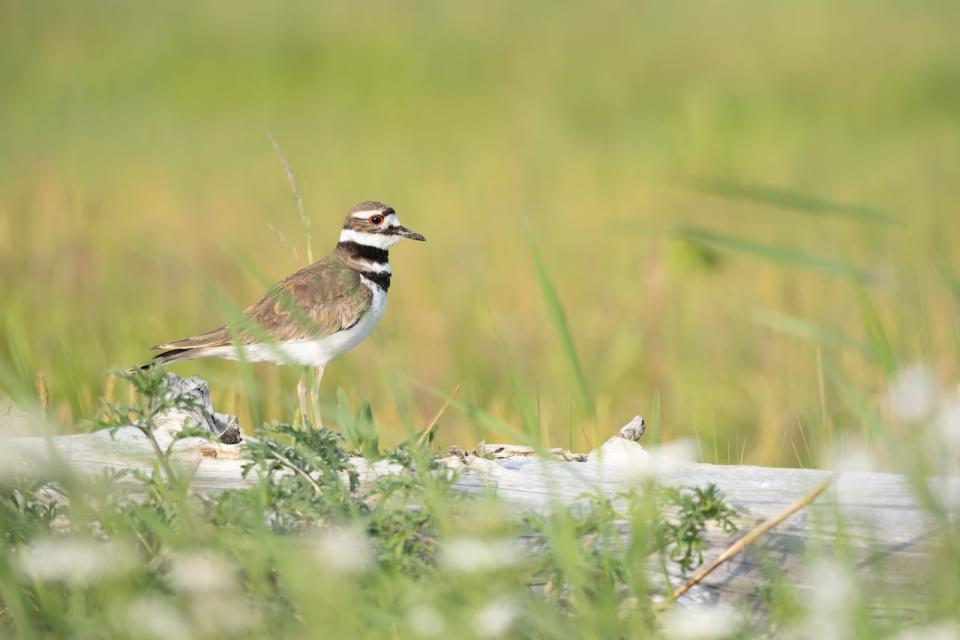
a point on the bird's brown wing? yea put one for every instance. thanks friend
(316, 301)
(319, 300)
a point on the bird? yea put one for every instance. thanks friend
(321, 311)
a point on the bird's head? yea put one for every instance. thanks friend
(375, 224)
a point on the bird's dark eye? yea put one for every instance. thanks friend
(377, 219)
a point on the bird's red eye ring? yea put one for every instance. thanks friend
(377, 219)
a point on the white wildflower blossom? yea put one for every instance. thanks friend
(157, 619)
(344, 550)
(942, 441)
(699, 623)
(17, 461)
(949, 630)
(473, 555)
(661, 461)
(854, 464)
(72, 561)
(425, 621)
(233, 616)
(494, 619)
(830, 597)
(832, 586)
(202, 573)
(854, 455)
(912, 393)
(636, 464)
(16, 421)
(948, 421)
(619, 453)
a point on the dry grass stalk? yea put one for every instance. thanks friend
(752, 537)
(296, 194)
(436, 418)
(43, 393)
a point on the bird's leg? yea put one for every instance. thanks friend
(302, 396)
(315, 399)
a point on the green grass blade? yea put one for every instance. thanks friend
(909, 462)
(877, 337)
(655, 432)
(949, 277)
(358, 427)
(559, 320)
(775, 254)
(238, 322)
(791, 200)
(526, 405)
(487, 421)
(818, 334)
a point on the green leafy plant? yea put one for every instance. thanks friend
(359, 431)
(695, 508)
(152, 396)
(24, 510)
(305, 474)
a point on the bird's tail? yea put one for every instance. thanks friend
(189, 348)
(174, 355)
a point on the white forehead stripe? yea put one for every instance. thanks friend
(378, 240)
(371, 212)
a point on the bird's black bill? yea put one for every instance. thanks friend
(407, 233)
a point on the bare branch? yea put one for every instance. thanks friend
(296, 194)
(752, 537)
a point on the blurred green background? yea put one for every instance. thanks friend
(734, 202)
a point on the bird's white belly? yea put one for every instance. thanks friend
(317, 352)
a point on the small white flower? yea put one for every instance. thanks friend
(699, 623)
(157, 619)
(832, 586)
(941, 631)
(494, 619)
(72, 561)
(619, 453)
(943, 438)
(473, 555)
(661, 461)
(202, 573)
(344, 550)
(17, 461)
(425, 621)
(233, 616)
(912, 394)
(853, 463)
(830, 597)
(854, 455)
(948, 421)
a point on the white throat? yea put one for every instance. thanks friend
(377, 240)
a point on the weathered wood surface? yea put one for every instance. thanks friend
(882, 520)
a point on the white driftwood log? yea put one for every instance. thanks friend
(883, 522)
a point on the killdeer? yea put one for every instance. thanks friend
(319, 312)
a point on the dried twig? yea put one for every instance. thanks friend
(285, 461)
(752, 537)
(436, 418)
(283, 240)
(163, 459)
(296, 194)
